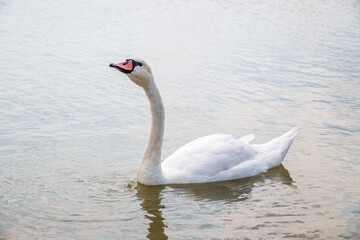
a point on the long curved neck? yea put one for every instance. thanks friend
(149, 171)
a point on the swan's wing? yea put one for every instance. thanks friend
(207, 156)
(247, 138)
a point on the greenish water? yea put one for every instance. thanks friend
(72, 130)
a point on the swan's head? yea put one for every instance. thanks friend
(136, 69)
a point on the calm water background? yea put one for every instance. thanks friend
(72, 130)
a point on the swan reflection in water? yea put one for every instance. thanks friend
(226, 192)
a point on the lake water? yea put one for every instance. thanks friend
(72, 130)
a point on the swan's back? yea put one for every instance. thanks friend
(206, 157)
(221, 157)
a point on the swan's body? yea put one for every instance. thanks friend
(207, 159)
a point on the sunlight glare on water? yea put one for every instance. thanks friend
(72, 130)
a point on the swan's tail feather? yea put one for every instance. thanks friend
(277, 148)
(292, 133)
(287, 137)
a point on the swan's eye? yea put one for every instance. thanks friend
(136, 63)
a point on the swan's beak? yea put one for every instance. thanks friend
(125, 67)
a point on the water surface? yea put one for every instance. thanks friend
(72, 130)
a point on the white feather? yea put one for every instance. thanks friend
(211, 158)
(221, 157)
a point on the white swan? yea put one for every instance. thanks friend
(207, 159)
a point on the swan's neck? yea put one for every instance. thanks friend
(149, 171)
